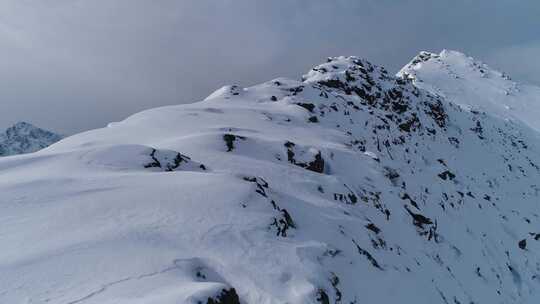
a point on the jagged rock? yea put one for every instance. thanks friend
(226, 297)
(315, 165)
(230, 139)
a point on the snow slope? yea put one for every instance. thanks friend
(349, 186)
(469, 82)
(23, 137)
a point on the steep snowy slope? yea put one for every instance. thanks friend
(350, 186)
(23, 138)
(468, 82)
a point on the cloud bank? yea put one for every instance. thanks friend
(71, 65)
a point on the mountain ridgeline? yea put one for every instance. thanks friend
(350, 185)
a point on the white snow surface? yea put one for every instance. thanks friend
(472, 83)
(350, 186)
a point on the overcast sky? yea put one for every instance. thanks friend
(71, 65)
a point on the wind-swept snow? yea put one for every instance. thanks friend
(350, 186)
(471, 83)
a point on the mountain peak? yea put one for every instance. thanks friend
(423, 56)
(22, 124)
(23, 137)
(21, 127)
(454, 63)
(345, 69)
(474, 85)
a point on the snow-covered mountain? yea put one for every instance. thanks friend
(474, 85)
(348, 186)
(23, 137)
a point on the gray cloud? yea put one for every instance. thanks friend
(521, 61)
(71, 65)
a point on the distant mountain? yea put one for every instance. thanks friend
(25, 138)
(348, 185)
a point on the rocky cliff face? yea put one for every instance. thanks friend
(348, 186)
